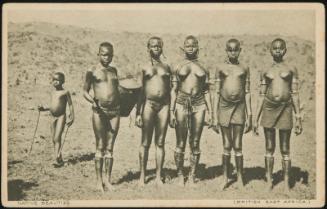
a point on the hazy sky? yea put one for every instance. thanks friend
(186, 19)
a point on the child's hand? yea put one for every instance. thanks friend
(70, 120)
(215, 125)
(172, 119)
(139, 121)
(248, 124)
(298, 127)
(95, 103)
(255, 128)
(40, 108)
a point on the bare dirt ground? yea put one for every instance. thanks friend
(36, 50)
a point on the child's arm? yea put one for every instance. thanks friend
(216, 99)
(173, 97)
(248, 102)
(296, 102)
(207, 99)
(262, 94)
(140, 104)
(71, 110)
(43, 108)
(87, 87)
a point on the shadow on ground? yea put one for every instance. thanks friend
(12, 163)
(253, 173)
(17, 187)
(80, 158)
(296, 175)
(168, 175)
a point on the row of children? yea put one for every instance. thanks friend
(181, 98)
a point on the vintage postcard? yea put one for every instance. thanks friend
(157, 104)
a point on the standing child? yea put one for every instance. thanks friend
(106, 112)
(279, 95)
(232, 107)
(59, 99)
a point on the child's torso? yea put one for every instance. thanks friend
(192, 77)
(279, 79)
(157, 81)
(58, 103)
(105, 85)
(233, 79)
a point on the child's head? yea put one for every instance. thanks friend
(58, 78)
(191, 47)
(233, 48)
(106, 52)
(155, 45)
(278, 48)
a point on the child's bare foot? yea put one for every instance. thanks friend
(99, 187)
(141, 182)
(159, 182)
(108, 186)
(191, 182)
(224, 185)
(180, 180)
(58, 163)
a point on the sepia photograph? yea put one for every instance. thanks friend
(163, 104)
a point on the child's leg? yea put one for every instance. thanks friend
(148, 118)
(100, 135)
(58, 130)
(237, 140)
(161, 125)
(197, 121)
(270, 136)
(226, 133)
(112, 131)
(284, 142)
(53, 128)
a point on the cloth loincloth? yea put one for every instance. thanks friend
(231, 112)
(190, 104)
(108, 111)
(277, 114)
(155, 105)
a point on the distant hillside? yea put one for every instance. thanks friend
(37, 49)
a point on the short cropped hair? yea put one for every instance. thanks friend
(193, 38)
(61, 76)
(156, 38)
(233, 40)
(107, 45)
(279, 40)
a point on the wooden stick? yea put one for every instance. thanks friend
(33, 140)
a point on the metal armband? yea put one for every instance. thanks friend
(295, 87)
(247, 86)
(217, 82)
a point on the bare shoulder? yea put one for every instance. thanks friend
(179, 66)
(245, 68)
(90, 70)
(292, 67)
(263, 72)
(222, 65)
(166, 65)
(113, 69)
(201, 65)
(67, 92)
(146, 66)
